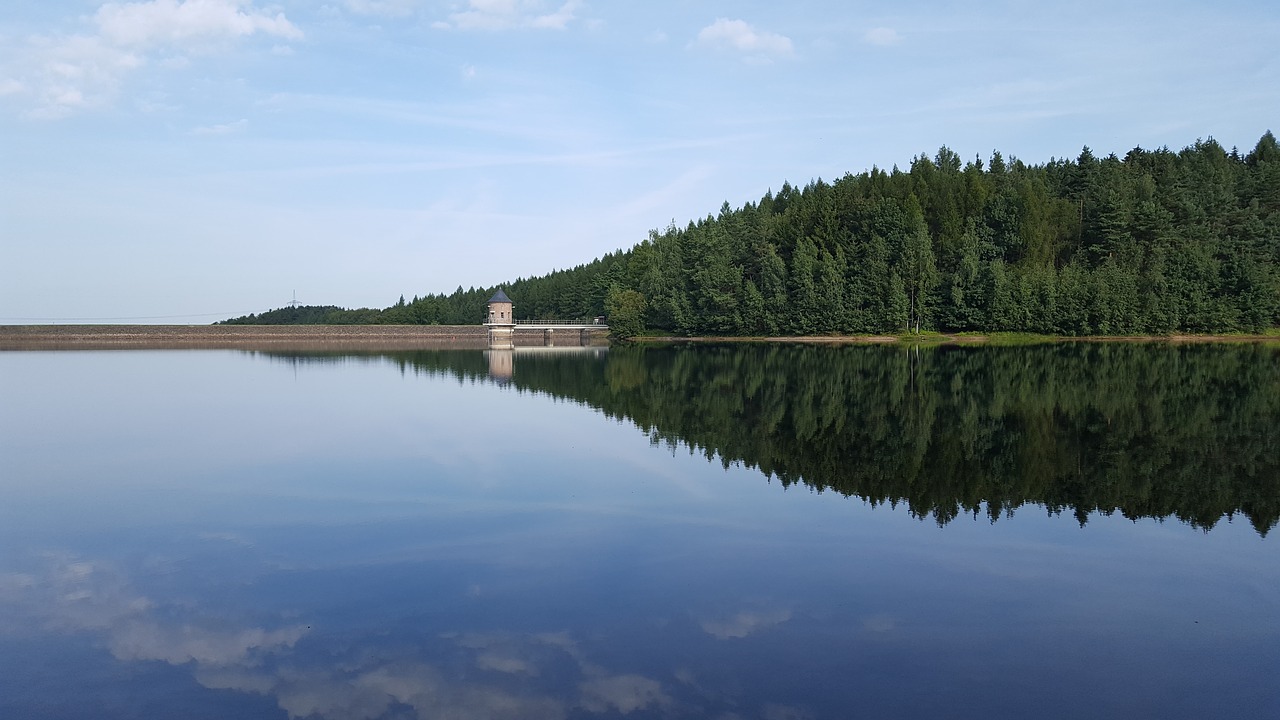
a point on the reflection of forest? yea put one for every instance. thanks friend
(1190, 431)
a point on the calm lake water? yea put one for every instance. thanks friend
(706, 532)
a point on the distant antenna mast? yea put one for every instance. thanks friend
(294, 302)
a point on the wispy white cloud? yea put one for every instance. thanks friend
(511, 14)
(382, 8)
(538, 121)
(654, 200)
(155, 102)
(559, 19)
(61, 74)
(223, 129)
(162, 22)
(738, 35)
(882, 36)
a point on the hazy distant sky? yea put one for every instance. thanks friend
(208, 158)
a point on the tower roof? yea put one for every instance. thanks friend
(500, 297)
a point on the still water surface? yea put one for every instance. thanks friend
(709, 532)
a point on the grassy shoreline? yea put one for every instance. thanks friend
(999, 339)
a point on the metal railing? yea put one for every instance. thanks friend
(589, 323)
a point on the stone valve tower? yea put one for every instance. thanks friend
(501, 320)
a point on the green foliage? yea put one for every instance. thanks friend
(625, 312)
(1154, 242)
(920, 275)
(305, 315)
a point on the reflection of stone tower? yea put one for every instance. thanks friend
(501, 364)
(501, 320)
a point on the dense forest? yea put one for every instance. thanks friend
(1149, 431)
(307, 315)
(1156, 241)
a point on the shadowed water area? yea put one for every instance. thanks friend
(1074, 530)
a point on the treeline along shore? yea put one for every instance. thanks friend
(1154, 242)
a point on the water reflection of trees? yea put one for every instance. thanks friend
(1190, 431)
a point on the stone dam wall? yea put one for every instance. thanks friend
(267, 337)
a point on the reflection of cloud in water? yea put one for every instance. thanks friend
(562, 640)
(600, 692)
(379, 688)
(80, 596)
(227, 537)
(744, 623)
(372, 693)
(773, 711)
(145, 640)
(626, 693)
(499, 653)
(505, 663)
(879, 623)
(233, 678)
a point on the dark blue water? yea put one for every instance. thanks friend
(219, 534)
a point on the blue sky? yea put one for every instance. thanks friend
(185, 161)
